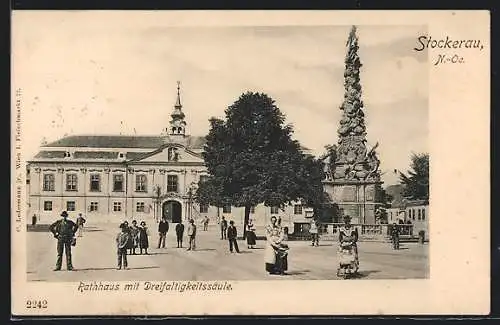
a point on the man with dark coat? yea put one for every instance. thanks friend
(162, 231)
(232, 234)
(64, 231)
(223, 228)
(179, 231)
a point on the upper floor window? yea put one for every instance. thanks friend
(297, 209)
(71, 182)
(172, 183)
(252, 209)
(118, 183)
(274, 210)
(48, 182)
(423, 214)
(140, 183)
(203, 178)
(95, 182)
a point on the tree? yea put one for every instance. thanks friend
(252, 159)
(416, 181)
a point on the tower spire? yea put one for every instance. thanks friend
(178, 101)
(177, 123)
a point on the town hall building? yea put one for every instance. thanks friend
(116, 178)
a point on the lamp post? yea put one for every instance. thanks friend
(190, 196)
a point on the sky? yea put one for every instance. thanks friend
(84, 74)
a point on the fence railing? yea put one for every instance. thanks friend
(365, 231)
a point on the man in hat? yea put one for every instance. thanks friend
(232, 235)
(63, 230)
(80, 221)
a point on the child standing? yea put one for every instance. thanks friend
(121, 242)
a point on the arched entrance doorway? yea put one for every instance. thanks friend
(172, 211)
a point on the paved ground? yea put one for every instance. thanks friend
(94, 258)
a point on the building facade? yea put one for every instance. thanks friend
(117, 178)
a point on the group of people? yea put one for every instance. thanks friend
(230, 233)
(133, 236)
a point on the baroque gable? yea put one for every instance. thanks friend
(172, 153)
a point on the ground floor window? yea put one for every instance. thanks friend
(94, 206)
(117, 206)
(47, 206)
(226, 208)
(70, 206)
(203, 208)
(140, 207)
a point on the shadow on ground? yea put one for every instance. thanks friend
(298, 272)
(114, 268)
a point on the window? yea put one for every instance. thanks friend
(274, 210)
(71, 182)
(203, 208)
(419, 214)
(48, 182)
(140, 183)
(94, 206)
(47, 206)
(252, 210)
(297, 209)
(140, 207)
(95, 182)
(117, 206)
(423, 214)
(226, 208)
(118, 183)
(172, 183)
(413, 214)
(70, 206)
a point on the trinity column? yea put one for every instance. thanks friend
(352, 179)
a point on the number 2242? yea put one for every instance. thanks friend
(36, 304)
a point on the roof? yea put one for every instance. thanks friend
(125, 141)
(95, 155)
(51, 154)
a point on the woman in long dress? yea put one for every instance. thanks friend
(143, 238)
(276, 253)
(251, 238)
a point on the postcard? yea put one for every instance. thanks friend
(169, 163)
